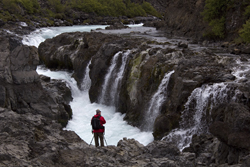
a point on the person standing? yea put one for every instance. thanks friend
(98, 129)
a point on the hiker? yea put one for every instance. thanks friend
(98, 129)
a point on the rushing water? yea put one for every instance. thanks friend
(156, 102)
(113, 78)
(83, 110)
(196, 116)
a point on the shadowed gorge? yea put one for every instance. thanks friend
(174, 90)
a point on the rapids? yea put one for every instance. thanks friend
(116, 128)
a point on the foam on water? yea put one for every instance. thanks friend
(39, 35)
(83, 110)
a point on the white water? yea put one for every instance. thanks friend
(113, 78)
(39, 35)
(195, 117)
(156, 102)
(241, 70)
(86, 82)
(83, 110)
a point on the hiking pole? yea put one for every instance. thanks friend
(91, 140)
(105, 140)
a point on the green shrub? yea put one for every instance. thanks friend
(214, 9)
(214, 13)
(218, 27)
(149, 9)
(31, 6)
(116, 7)
(6, 16)
(133, 9)
(11, 6)
(56, 6)
(245, 32)
(247, 11)
(61, 9)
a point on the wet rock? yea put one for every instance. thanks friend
(238, 128)
(144, 71)
(162, 149)
(246, 50)
(236, 51)
(2, 23)
(115, 26)
(225, 44)
(182, 45)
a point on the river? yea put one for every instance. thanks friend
(83, 109)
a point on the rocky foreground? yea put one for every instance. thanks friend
(34, 109)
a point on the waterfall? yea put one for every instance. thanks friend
(83, 110)
(156, 102)
(195, 118)
(86, 82)
(111, 85)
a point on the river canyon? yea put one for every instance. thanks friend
(168, 101)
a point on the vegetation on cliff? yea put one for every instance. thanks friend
(25, 10)
(216, 13)
(245, 31)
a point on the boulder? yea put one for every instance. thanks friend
(231, 124)
(117, 25)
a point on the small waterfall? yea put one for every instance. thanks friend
(156, 102)
(195, 117)
(86, 82)
(113, 78)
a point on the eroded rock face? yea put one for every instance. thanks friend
(145, 68)
(184, 18)
(231, 125)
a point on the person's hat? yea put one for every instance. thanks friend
(98, 111)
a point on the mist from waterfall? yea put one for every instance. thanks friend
(195, 118)
(111, 86)
(156, 102)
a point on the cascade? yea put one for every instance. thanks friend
(111, 85)
(156, 102)
(195, 118)
(82, 108)
(86, 82)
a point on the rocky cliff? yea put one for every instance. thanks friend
(34, 110)
(194, 71)
(184, 18)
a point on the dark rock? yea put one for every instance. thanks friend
(2, 23)
(225, 44)
(246, 50)
(162, 149)
(182, 45)
(235, 134)
(45, 78)
(246, 163)
(236, 51)
(117, 25)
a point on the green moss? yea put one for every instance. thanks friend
(63, 122)
(245, 32)
(59, 10)
(135, 72)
